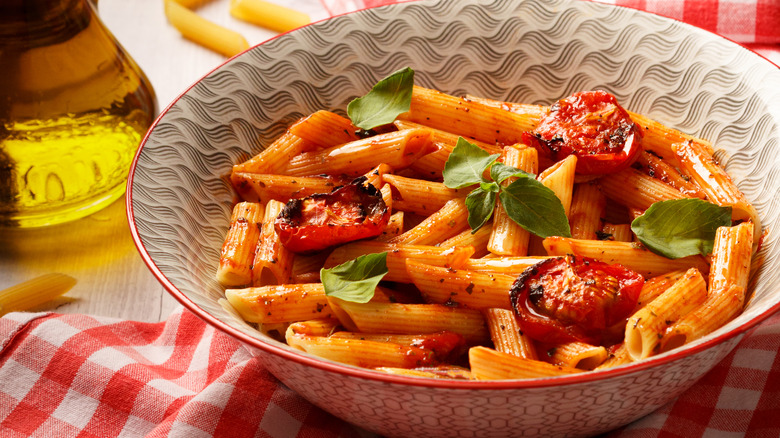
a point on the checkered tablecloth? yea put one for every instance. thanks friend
(87, 376)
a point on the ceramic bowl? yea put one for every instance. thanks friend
(179, 198)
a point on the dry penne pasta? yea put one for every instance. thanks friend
(269, 15)
(204, 32)
(34, 292)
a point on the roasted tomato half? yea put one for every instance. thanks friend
(351, 212)
(572, 298)
(592, 126)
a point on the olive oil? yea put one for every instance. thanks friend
(73, 109)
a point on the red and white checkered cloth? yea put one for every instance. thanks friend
(79, 375)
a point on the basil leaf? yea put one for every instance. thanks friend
(480, 204)
(356, 279)
(500, 171)
(387, 99)
(681, 227)
(535, 207)
(466, 164)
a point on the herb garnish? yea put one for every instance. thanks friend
(681, 227)
(356, 279)
(526, 201)
(387, 99)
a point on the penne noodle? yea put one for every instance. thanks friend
(512, 266)
(446, 222)
(489, 364)
(415, 319)
(731, 255)
(506, 334)
(274, 158)
(477, 290)
(615, 358)
(397, 254)
(578, 355)
(507, 237)
(280, 303)
(269, 15)
(420, 196)
(450, 372)
(313, 327)
(655, 286)
(477, 240)
(635, 189)
(325, 129)
(617, 232)
(646, 327)
(263, 187)
(396, 149)
(272, 262)
(30, 294)
(484, 123)
(204, 32)
(630, 255)
(587, 209)
(363, 353)
(654, 166)
(238, 250)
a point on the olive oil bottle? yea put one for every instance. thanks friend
(73, 110)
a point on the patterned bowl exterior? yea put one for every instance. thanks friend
(179, 197)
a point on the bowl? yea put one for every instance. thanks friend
(179, 196)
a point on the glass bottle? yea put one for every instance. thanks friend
(73, 110)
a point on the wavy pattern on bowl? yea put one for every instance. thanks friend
(524, 51)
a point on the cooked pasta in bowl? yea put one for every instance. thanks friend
(474, 218)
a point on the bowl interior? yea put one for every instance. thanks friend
(179, 196)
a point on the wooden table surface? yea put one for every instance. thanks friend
(98, 250)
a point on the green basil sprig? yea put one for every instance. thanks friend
(526, 201)
(356, 279)
(390, 97)
(681, 227)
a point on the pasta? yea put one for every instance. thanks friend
(453, 289)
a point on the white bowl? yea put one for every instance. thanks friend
(179, 197)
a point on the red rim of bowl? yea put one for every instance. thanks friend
(363, 373)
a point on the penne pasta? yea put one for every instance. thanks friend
(204, 32)
(646, 327)
(443, 224)
(635, 189)
(420, 196)
(238, 251)
(272, 262)
(508, 238)
(456, 287)
(489, 364)
(269, 15)
(280, 303)
(587, 209)
(506, 334)
(578, 355)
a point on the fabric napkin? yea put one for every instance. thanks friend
(79, 375)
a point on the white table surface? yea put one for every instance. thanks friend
(112, 279)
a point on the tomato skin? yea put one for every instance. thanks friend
(570, 298)
(350, 212)
(592, 126)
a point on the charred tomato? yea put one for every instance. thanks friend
(569, 298)
(350, 212)
(592, 126)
